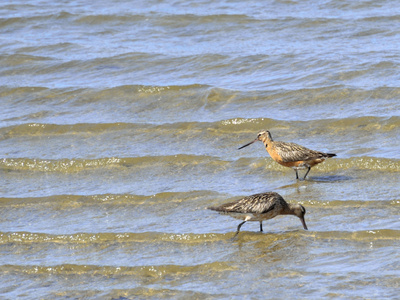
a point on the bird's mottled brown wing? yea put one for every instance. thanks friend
(293, 152)
(258, 204)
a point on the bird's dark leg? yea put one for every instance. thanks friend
(309, 168)
(297, 174)
(261, 226)
(238, 228)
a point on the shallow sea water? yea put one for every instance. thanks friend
(120, 125)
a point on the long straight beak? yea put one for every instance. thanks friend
(248, 144)
(304, 223)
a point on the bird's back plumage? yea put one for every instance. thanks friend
(255, 204)
(290, 152)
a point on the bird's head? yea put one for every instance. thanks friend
(263, 136)
(299, 211)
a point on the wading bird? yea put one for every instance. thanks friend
(290, 154)
(261, 207)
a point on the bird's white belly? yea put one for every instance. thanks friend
(250, 216)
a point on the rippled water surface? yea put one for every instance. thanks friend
(120, 124)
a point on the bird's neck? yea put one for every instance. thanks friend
(267, 141)
(289, 209)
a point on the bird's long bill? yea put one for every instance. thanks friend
(248, 144)
(304, 223)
